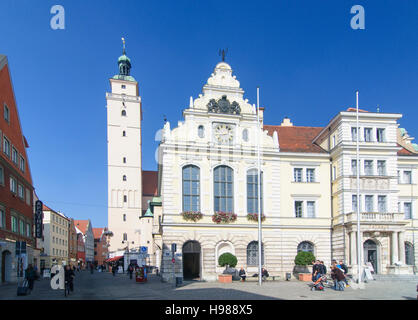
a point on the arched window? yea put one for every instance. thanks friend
(245, 135)
(306, 246)
(191, 188)
(252, 191)
(223, 182)
(409, 254)
(201, 131)
(124, 178)
(252, 254)
(123, 113)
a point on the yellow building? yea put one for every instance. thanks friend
(56, 229)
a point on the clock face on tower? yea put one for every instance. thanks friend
(223, 133)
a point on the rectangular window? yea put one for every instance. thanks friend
(53, 251)
(14, 155)
(2, 218)
(28, 197)
(1, 176)
(399, 176)
(310, 208)
(124, 217)
(368, 134)
(369, 203)
(381, 167)
(333, 141)
(298, 209)
(354, 203)
(13, 185)
(22, 227)
(380, 135)
(353, 134)
(125, 198)
(334, 173)
(407, 177)
(368, 167)
(6, 113)
(310, 175)
(22, 164)
(125, 237)
(407, 206)
(28, 230)
(6, 146)
(20, 191)
(354, 167)
(381, 203)
(297, 174)
(14, 224)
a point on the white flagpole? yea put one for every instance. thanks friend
(258, 191)
(358, 195)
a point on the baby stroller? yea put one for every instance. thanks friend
(319, 283)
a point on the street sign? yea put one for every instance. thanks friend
(38, 219)
(144, 249)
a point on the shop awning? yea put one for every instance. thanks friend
(114, 259)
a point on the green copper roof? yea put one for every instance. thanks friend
(126, 78)
(156, 200)
(415, 146)
(148, 213)
(402, 131)
(124, 57)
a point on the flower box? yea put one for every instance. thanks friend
(224, 217)
(305, 277)
(254, 217)
(192, 215)
(225, 278)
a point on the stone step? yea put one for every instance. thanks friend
(395, 277)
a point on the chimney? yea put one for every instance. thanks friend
(286, 122)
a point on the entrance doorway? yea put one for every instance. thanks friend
(191, 260)
(6, 266)
(370, 254)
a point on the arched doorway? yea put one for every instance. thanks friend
(370, 254)
(191, 260)
(6, 266)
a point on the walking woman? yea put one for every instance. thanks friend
(30, 276)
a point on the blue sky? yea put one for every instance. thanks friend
(304, 56)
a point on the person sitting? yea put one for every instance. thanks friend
(264, 274)
(242, 274)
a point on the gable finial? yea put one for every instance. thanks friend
(123, 41)
(223, 53)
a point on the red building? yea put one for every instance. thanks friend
(81, 250)
(100, 245)
(16, 190)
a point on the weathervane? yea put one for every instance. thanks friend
(123, 41)
(223, 53)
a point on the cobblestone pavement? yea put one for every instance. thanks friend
(104, 286)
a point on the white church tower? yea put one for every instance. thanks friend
(124, 161)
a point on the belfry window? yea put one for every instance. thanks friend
(191, 188)
(223, 189)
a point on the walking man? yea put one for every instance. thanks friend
(344, 268)
(30, 276)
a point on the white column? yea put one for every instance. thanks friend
(395, 250)
(353, 248)
(402, 247)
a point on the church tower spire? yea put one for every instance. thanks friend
(125, 66)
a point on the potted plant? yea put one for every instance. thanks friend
(254, 217)
(224, 217)
(302, 260)
(229, 261)
(192, 215)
